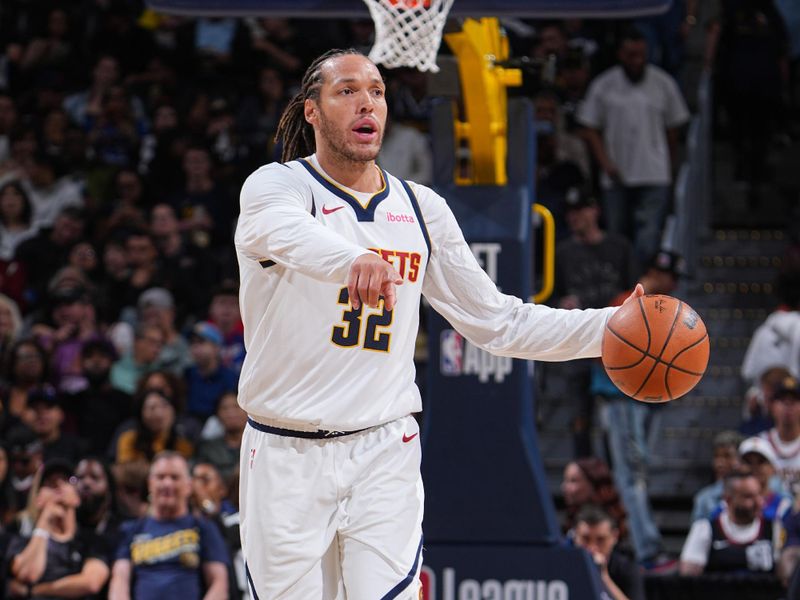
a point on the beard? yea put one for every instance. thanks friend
(342, 147)
(95, 378)
(634, 77)
(89, 507)
(743, 515)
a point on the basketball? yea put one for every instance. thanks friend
(655, 348)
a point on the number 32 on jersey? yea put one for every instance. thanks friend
(354, 322)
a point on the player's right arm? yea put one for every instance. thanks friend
(275, 224)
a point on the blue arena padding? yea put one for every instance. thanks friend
(310, 9)
(489, 516)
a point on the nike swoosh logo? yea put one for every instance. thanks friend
(720, 544)
(327, 211)
(408, 438)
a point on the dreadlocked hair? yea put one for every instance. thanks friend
(294, 133)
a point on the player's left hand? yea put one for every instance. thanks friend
(637, 292)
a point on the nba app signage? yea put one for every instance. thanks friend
(490, 589)
(458, 356)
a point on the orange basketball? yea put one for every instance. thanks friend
(655, 349)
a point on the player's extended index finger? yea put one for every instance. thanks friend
(388, 288)
(352, 287)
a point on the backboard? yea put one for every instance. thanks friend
(461, 8)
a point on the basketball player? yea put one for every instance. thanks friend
(334, 254)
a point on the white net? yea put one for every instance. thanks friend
(408, 32)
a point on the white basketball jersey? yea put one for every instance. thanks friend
(313, 361)
(788, 457)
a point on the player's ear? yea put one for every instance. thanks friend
(310, 111)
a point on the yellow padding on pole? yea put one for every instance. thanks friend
(478, 47)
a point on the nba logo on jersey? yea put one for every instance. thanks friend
(452, 349)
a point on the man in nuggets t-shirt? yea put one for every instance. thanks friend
(170, 553)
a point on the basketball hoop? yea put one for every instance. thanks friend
(408, 32)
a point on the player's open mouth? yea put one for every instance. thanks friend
(365, 131)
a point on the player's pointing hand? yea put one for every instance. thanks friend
(370, 278)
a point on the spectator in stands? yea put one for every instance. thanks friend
(210, 499)
(787, 568)
(192, 269)
(10, 327)
(588, 481)
(161, 148)
(147, 344)
(72, 323)
(784, 438)
(59, 558)
(748, 50)
(128, 205)
(631, 116)
(83, 257)
(666, 35)
(50, 190)
(223, 450)
(277, 42)
(156, 307)
(170, 553)
(118, 33)
(592, 267)
(97, 411)
(739, 539)
(725, 460)
(575, 77)
(260, 112)
(208, 378)
(114, 134)
(406, 152)
(209, 492)
(758, 458)
(87, 104)
(96, 513)
(6, 492)
(113, 287)
(758, 400)
(145, 268)
(8, 120)
(45, 253)
(26, 369)
(47, 418)
(55, 134)
(54, 49)
(225, 314)
(156, 429)
(597, 533)
(411, 101)
(201, 203)
(568, 147)
(776, 342)
(16, 218)
(23, 144)
(130, 487)
(25, 460)
(555, 177)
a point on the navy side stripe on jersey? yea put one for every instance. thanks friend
(362, 214)
(250, 581)
(415, 205)
(396, 590)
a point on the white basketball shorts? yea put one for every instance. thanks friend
(332, 519)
